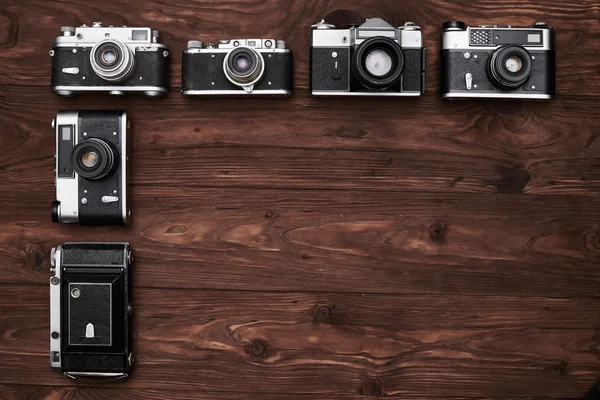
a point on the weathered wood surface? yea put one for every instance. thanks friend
(321, 248)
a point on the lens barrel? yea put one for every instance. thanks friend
(244, 66)
(103, 156)
(501, 59)
(112, 60)
(364, 72)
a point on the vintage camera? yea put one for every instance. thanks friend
(239, 66)
(497, 62)
(109, 59)
(91, 168)
(372, 59)
(90, 310)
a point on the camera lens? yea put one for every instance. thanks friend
(510, 67)
(93, 158)
(242, 63)
(244, 66)
(112, 60)
(378, 63)
(514, 64)
(109, 56)
(89, 159)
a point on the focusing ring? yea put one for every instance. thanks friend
(364, 49)
(105, 163)
(254, 74)
(504, 78)
(123, 65)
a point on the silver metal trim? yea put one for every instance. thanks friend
(110, 315)
(366, 94)
(162, 90)
(223, 50)
(55, 317)
(124, 177)
(241, 92)
(460, 40)
(459, 95)
(68, 212)
(75, 375)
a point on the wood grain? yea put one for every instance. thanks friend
(310, 248)
(412, 347)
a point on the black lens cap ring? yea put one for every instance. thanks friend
(499, 73)
(361, 73)
(105, 159)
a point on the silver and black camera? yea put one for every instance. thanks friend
(90, 310)
(91, 168)
(109, 59)
(238, 66)
(372, 59)
(497, 62)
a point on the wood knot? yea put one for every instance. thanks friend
(322, 315)
(373, 387)
(562, 368)
(177, 229)
(513, 181)
(257, 349)
(37, 258)
(344, 17)
(436, 231)
(269, 215)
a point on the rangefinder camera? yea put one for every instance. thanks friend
(497, 62)
(91, 168)
(109, 59)
(90, 310)
(372, 59)
(237, 67)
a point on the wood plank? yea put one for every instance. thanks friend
(15, 392)
(514, 346)
(308, 143)
(332, 241)
(26, 59)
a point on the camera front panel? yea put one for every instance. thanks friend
(90, 310)
(455, 67)
(203, 74)
(72, 70)
(92, 168)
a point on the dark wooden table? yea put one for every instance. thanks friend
(321, 248)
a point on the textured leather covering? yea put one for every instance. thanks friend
(152, 66)
(201, 70)
(454, 67)
(102, 124)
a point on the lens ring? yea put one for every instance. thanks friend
(244, 66)
(378, 45)
(109, 68)
(510, 67)
(103, 155)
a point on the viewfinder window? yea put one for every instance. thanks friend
(139, 35)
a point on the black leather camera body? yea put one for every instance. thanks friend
(90, 310)
(237, 67)
(109, 59)
(497, 61)
(92, 168)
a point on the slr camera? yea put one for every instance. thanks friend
(91, 168)
(372, 59)
(238, 66)
(497, 62)
(109, 59)
(90, 310)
